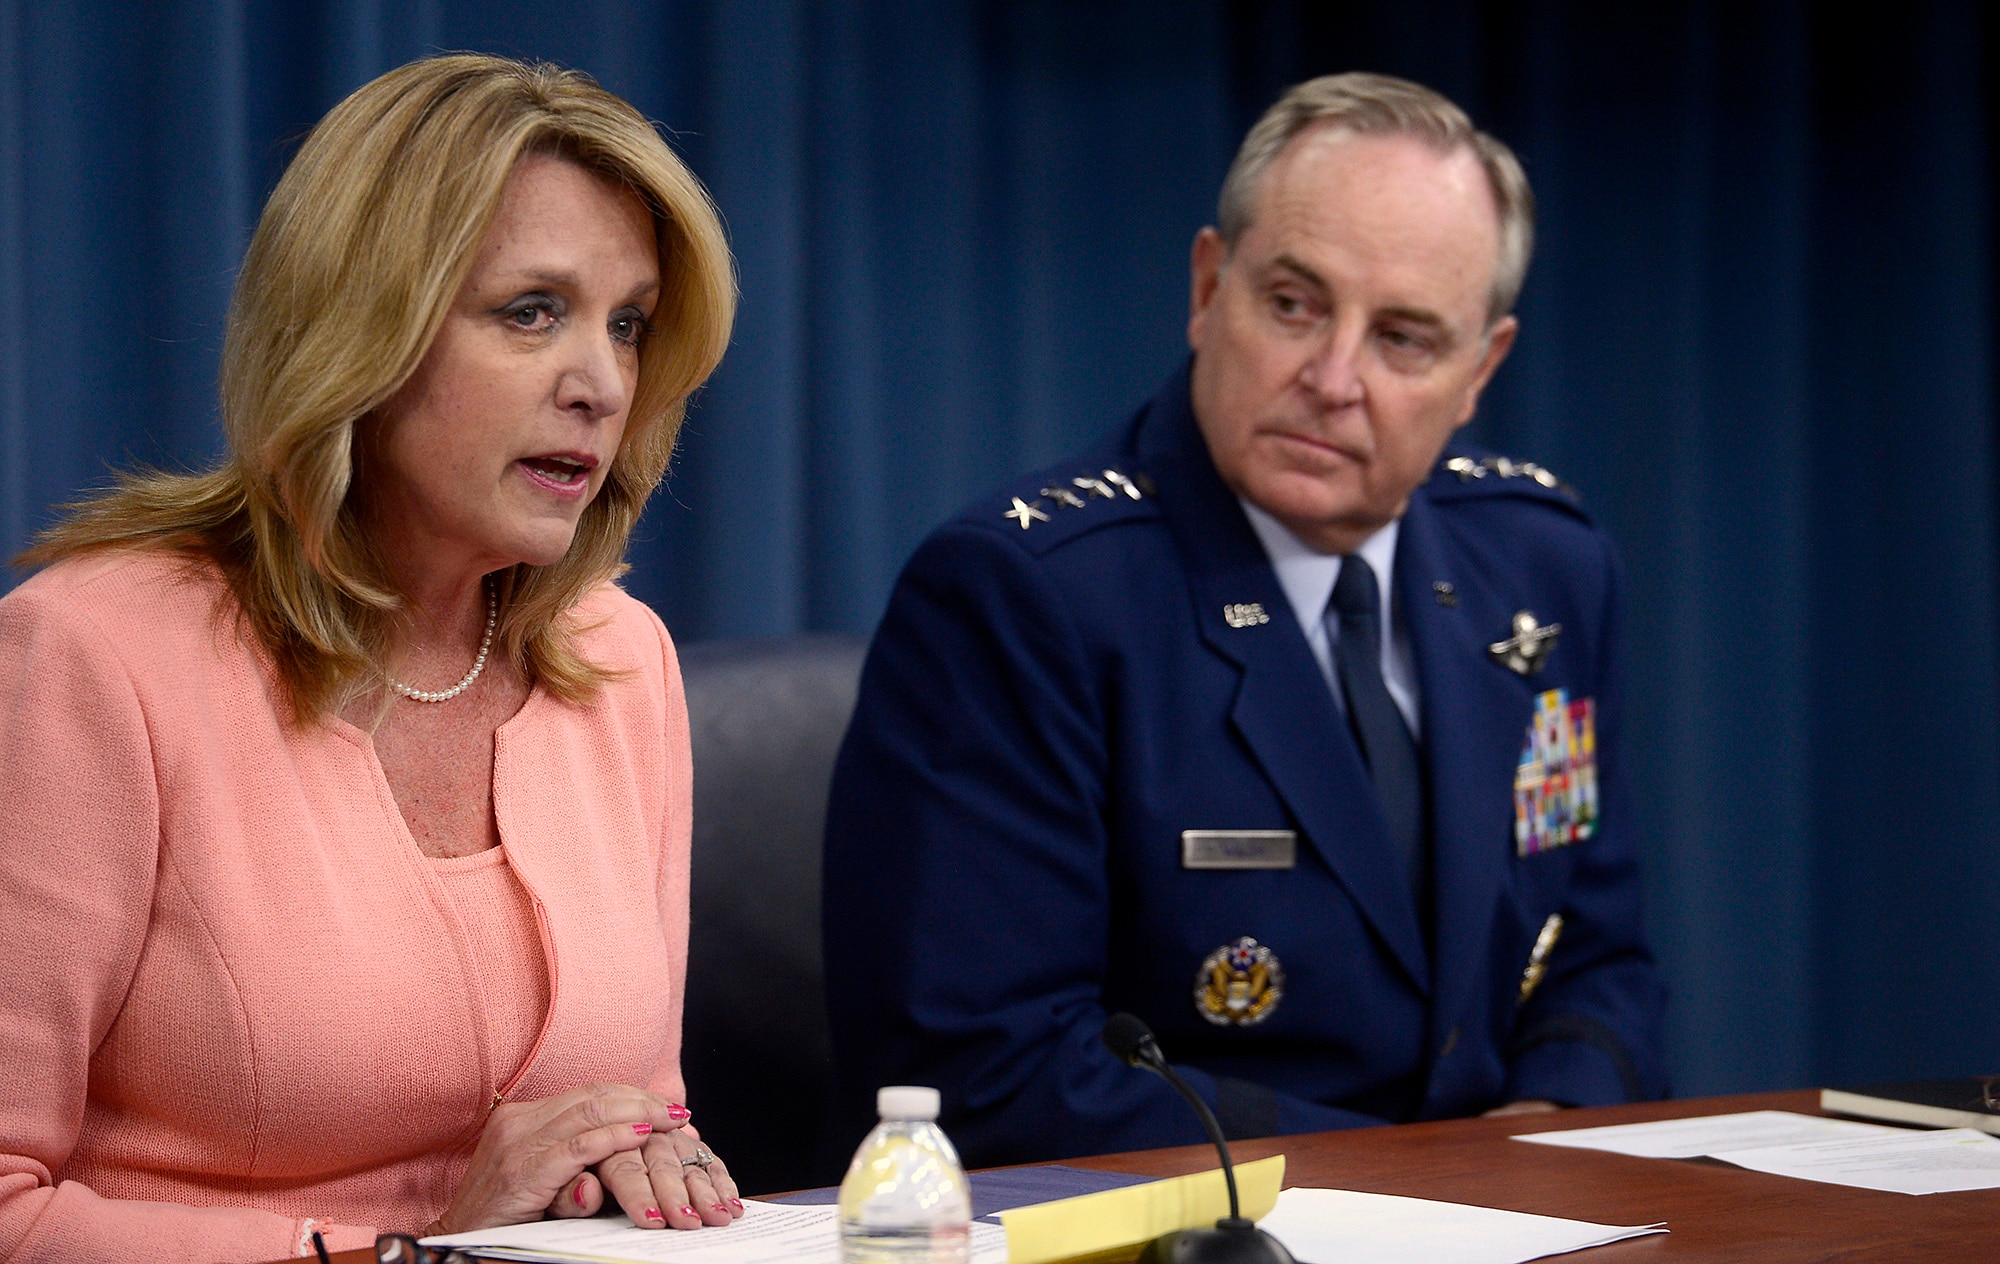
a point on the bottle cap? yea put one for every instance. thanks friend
(906, 1101)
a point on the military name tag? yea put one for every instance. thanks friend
(1239, 849)
(1555, 781)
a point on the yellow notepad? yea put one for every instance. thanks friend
(1090, 1224)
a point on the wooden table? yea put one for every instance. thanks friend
(1715, 1212)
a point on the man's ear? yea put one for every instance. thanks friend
(1204, 275)
(1499, 341)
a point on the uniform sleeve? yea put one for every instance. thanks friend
(1592, 1033)
(79, 849)
(676, 852)
(967, 902)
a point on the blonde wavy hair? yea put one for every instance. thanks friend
(359, 254)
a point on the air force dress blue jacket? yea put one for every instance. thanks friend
(1072, 675)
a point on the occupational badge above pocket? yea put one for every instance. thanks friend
(1239, 984)
(1555, 783)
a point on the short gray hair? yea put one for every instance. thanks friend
(1381, 105)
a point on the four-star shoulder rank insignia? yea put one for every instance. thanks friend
(1524, 652)
(1468, 469)
(1104, 485)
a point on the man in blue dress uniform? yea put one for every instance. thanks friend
(1273, 721)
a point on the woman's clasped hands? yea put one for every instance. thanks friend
(562, 1156)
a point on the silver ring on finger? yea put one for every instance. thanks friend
(701, 1158)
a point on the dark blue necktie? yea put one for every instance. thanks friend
(1386, 744)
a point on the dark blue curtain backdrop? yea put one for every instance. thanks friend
(1759, 334)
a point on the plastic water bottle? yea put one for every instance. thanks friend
(905, 1200)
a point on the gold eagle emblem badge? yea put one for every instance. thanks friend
(1239, 984)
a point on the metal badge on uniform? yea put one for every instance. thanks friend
(1529, 647)
(1025, 513)
(1555, 783)
(1538, 957)
(1239, 849)
(1239, 984)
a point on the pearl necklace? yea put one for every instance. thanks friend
(478, 664)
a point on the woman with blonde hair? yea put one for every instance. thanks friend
(343, 797)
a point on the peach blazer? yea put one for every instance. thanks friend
(233, 993)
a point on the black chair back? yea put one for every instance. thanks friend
(766, 719)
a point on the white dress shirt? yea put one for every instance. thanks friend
(1308, 576)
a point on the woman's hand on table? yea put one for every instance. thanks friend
(661, 1185)
(532, 1155)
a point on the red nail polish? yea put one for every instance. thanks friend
(719, 1207)
(653, 1213)
(679, 1113)
(577, 1194)
(737, 1203)
(642, 1129)
(687, 1211)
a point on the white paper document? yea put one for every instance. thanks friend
(1907, 1163)
(767, 1233)
(1712, 1134)
(1337, 1226)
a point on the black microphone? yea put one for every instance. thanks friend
(1234, 1240)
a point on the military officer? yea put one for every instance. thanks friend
(1274, 720)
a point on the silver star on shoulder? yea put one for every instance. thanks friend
(1025, 513)
(1117, 479)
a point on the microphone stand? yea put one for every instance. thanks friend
(1234, 1240)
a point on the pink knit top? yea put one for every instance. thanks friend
(507, 951)
(235, 995)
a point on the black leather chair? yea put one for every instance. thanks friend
(766, 719)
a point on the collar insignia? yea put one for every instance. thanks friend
(1245, 614)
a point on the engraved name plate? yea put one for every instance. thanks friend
(1239, 849)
